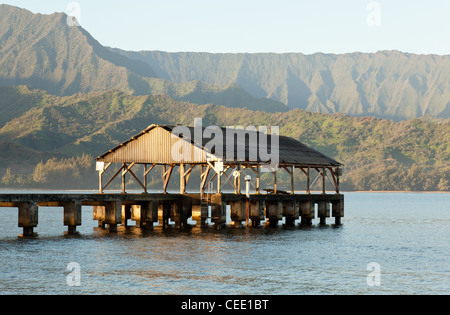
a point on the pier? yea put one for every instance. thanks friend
(148, 210)
(224, 158)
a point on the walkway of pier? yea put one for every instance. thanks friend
(111, 210)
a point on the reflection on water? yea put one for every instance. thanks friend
(406, 234)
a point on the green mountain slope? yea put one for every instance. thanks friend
(387, 84)
(44, 52)
(378, 154)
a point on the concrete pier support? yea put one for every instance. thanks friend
(257, 212)
(180, 211)
(126, 214)
(200, 213)
(99, 215)
(338, 211)
(238, 212)
(113, 214)
(218, 211)
(145, 214)
(274, 212)
(72, 216)
(164, 212)
(307, 213)
(291, 212)
(28, 217)
(323, 211)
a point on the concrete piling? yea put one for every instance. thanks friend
(307, 213)
(113, 214)
(323, 211)
(72, 216)
(291, 212)
(274, 212)
(146, 209)
(338, 211)
(238, 212)
(257, 212)
(28, 217)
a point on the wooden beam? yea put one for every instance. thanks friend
(112, 178)
(275, 182)
(203, 177)
(100, 174)
(323, 180)
(137, 179)
(166, 177)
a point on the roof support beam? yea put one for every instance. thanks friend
(112, 178)
(166, 176)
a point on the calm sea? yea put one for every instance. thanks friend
(389, 243)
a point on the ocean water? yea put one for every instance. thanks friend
(389, 243)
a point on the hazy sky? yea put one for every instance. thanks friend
(329, 26)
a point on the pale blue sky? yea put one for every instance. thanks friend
(329, 26)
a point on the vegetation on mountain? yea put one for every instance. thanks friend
(386, 84)
(65, 99)
(44, 52)
(378, 154)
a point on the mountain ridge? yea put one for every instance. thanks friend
(378, 154)
(385, 84)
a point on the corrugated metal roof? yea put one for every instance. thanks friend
(154, 145)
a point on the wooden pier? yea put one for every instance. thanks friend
(111, 210)
(221, 162)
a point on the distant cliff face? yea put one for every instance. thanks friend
(44, 52)
(387, 84)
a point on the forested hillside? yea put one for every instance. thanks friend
(378, 154)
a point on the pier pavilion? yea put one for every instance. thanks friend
(223, 156)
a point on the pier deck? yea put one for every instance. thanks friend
(146, 209)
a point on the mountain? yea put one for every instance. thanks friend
(44, 52)
(386, 84)
(378, 154)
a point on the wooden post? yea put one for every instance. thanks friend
(308, 184)
(166, 177)
(338, 173)
(124, 168)
(182, 180)
(219, 182)
(258, 179)
(275, 182)
(100, 185)
(145, 178)
(323, 181)
(292, 179)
